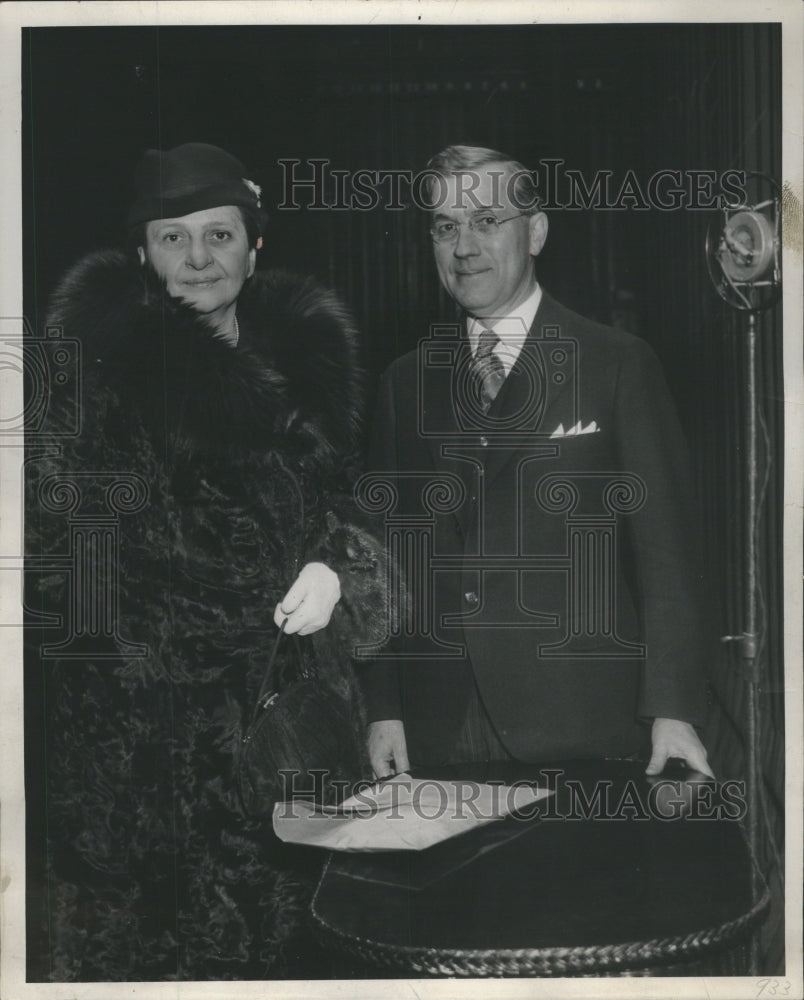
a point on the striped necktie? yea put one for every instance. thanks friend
(488, 368)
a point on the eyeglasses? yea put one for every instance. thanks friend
(483, 226)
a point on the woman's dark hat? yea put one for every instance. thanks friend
(189, 179)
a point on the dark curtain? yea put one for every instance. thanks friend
(719, 100)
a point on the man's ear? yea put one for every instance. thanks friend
(537, 225)
(141, 255)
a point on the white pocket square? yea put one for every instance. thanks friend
(591, 428)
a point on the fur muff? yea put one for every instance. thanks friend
(244, 455)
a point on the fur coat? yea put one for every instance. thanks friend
(237, 462)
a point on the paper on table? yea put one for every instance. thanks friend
(402, 813)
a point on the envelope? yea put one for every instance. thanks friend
(418, 870)
(403, 813)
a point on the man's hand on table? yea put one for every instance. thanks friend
(388, 751)
(673, 738)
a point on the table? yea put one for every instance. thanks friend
(612, 876)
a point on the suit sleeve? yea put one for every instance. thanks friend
(664, 543)
(380, 678)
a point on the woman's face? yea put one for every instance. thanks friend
(204, 258)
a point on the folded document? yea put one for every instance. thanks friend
(403, 813)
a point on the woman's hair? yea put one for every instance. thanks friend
(464, 159)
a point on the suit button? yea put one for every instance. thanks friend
(484, 441)
(470, 597)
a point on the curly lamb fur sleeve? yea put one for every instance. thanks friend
(368, 577)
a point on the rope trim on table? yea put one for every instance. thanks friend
(535, 961)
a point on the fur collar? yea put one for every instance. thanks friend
(293, 381)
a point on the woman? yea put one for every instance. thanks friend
(231, 400)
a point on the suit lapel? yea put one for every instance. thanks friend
(524, 408)
(437, 400)
(551, 327)
(532, 390)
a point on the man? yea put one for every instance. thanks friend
(556, 609)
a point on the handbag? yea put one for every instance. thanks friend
(301, 742)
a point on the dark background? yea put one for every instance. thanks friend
(615, 97)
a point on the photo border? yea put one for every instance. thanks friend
(14, 16)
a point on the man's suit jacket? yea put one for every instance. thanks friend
(560, 570)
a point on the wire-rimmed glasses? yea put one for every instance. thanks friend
(484, 226)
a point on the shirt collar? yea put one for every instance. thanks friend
(511, 329)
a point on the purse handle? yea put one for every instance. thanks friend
(268, 688)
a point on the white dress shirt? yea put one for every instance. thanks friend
(512, 330)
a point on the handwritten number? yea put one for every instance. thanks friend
(773, 987)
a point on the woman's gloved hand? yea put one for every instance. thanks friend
(309, 603)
